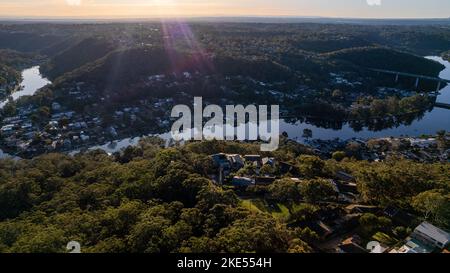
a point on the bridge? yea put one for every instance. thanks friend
(417, 77)
(442, 105)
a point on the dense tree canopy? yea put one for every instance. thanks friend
(162, 200)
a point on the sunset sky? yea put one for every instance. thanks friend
(167, 8)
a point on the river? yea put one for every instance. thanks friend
(433, 121)
(32, 80)
(430, 123)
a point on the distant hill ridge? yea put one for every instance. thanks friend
(88, 50)
(389, 59)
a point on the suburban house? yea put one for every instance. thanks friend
(356, 208)
(228, 163)
(269, 161)
(345, 176)
(236, 161)
(286, 167)
(426, 238)
(351, 245)
(255, 159)
(264, 180)
(221, 161)
(431, 235)
(242, 182)
(399, 217)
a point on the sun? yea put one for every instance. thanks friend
(163, 2)
(374, 2)
(74, 2)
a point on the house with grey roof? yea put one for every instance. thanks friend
(431, 235)
(426, 238)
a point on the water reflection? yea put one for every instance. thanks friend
(427, 121)
(371, 124)
(32, 80)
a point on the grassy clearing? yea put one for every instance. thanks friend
(277, 210)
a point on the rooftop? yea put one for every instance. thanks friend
(434, 232)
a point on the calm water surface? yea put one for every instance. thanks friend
(432, 121)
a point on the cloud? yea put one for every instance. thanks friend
(374, 2)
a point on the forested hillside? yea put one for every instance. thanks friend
(153, 199)
(125, 67)
(88, 50)
(385, 58)
(297, 46)
(26, 42)
(318, 72)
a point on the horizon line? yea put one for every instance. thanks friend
(120, 18)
